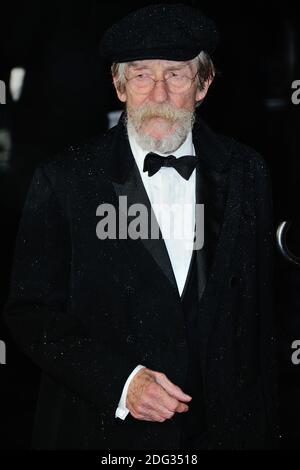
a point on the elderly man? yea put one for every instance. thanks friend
(148, 339)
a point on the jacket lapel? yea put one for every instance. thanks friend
(133, 188)
(127, 182)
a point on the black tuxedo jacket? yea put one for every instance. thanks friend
(87, 311)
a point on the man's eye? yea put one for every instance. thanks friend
(142, 76)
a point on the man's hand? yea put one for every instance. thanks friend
(151, 396)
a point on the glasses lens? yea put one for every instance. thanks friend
(142, 85)
(178, 84)
(145, 84)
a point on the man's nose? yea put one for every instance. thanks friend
(159, 94)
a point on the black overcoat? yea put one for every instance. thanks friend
(87, 311)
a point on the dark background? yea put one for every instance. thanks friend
(66, 96)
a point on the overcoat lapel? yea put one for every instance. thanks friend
(211, 191)
(221, 190)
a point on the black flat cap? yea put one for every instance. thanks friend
(169, 32)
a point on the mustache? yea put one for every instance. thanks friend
(164, 111)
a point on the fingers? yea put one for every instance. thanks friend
(157, 405)
(163, 399)
(182, 408)
(148, 399)
(160, 403)
(147, 417)
(171, 388)
(152, 414)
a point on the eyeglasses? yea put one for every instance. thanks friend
(144, 84)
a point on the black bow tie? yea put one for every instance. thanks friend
(184, 165)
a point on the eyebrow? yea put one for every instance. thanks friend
(139, 66)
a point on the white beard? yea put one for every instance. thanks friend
(184, 122)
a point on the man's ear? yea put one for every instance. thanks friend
(121, 94)
(201, 94)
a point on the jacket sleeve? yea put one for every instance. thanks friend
(38, 309)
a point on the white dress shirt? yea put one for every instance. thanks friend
(173, 200)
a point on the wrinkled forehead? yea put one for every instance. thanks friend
(158, 64)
